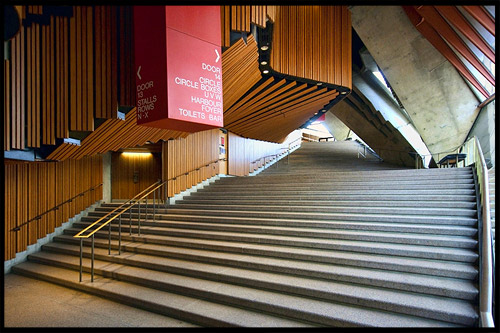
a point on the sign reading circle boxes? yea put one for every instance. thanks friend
(178, 63)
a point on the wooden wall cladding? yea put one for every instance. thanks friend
(247, 155)
(313, 42)
(238, 18)
(123, 166)
(112, 135)
(185, 154)
(31, 188)
(66, 70)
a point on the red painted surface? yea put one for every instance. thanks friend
(179, 64)
(321, 118)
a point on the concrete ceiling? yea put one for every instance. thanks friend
(440, 103)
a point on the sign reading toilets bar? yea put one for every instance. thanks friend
(179, 67)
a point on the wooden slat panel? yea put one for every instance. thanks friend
(300, 35)
(6, 104)
(90, 70)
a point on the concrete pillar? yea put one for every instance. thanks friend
(106, 177)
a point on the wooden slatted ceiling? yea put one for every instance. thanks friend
(34, 187)
(313, 42)
(113, 135)
(64, 74)
(240, 70)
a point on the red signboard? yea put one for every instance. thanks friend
(179, 67)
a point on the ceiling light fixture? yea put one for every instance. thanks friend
(343, 93)
(265, 71)
(263, 63)
(319, 83)
(264, 47)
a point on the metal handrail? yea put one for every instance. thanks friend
(56, 207)
(475, 157)
(138, 198)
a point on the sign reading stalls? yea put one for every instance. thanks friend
(179, 67)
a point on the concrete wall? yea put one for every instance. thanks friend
(336, 127)
(106, 177)
(439, 102)
(484, 129)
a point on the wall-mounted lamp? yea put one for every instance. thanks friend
(136, 154)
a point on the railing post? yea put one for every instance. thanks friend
(130, 219)
(92, 261)
(139, 218)
(146, 215)
(120, 234)
(81, 257)
(109, 237)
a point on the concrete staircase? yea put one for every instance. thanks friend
(328, 240)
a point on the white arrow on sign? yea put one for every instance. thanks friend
(139, 75)
(218, 57)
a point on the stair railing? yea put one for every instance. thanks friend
(475, 158)
(366, 148)
(102, 222)
(56, 207)
(154, 188)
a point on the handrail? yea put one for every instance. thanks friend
(142, 195)
(476, 158)
(78, 235)
(56, 207)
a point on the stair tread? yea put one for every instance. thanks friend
(294, 225)
(309, 239)
(461, 311)
(218, 314)
(381, 278)
(430, 252)
(320, 256)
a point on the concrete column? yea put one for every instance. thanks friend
(106, 177)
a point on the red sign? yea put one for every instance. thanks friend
(179, 67)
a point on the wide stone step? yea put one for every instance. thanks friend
(190, 309)
(423, 198)
(317, 208)
(444, 268)
(372, 247)
(342, 181)
(310, 294)
(256, 225)
(342, 185)
(313, 192)
(324, 203)
(309, 172)
(421, 283)
(361, 235)
(237, 216)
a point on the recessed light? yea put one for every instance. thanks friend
(264, 47)
(315, 113)
(319, 83)
(265, 71)
(323, 110)
(263, 63)
(344, 92)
